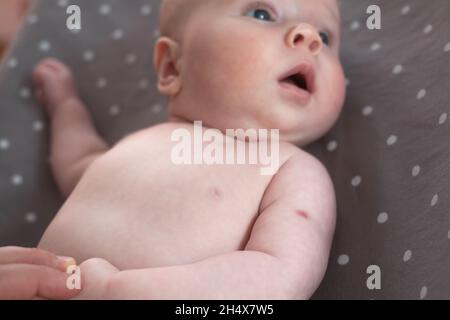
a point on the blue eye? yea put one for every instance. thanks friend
(325, 37)
(260, 14)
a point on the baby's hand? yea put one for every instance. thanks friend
(96, 274)
(54, 84)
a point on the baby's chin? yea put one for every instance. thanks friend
(287, 127)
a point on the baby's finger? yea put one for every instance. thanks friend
(25, 281)
(18, 255)
(39, 95)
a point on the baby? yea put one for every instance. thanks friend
(147, 228)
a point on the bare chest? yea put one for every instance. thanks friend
(136, 209)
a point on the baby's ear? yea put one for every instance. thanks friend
(165, 60)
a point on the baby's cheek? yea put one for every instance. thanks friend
(340, 91)
(335, 85)
(241, 56)
(229, 56)
(240, 61)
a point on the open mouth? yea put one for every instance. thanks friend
(300, 78)
(297, 80)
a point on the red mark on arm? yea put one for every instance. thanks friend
(302, 214)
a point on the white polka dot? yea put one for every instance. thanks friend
(63, 3)
(157, 108)
(25, 93)
(423, 292)
(405, 10)
(4, 144)
(114, 110)
(375, 46)
(392, 140)
(382, 217)
(102, 83)
(355, 25)
(356, 181)
(434, 200)
(32, 19)
(104, 9)
(130, 58)
(415, 171)
(397, 69)
(30, 217)
(38, 125)
(143, 84)
(88, 55)
(428, 29)
(12, 63)
(16, 180)
(117, 34)
(407, 255)
(367, 111)
(332, 145)
(44, 46)
(447, 47)
(146, 10)
(343, 259)
(156, 33)
(421, 94)
(442, 118)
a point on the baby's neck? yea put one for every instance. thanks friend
(178, 119)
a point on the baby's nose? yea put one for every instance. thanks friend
(305, 35)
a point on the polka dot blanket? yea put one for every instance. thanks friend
(388, 155)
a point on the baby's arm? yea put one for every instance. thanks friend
(74, 142)
(285, 257)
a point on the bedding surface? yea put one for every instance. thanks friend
(388, 155)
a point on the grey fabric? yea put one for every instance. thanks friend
(393, 134)
(388, 154)
(111, 58)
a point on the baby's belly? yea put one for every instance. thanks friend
(132, 239)
(157, 216)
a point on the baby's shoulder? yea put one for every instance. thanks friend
(146, 135)
(303, 182)
(297, 158)
(300, 169)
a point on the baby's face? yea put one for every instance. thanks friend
(236, 62)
